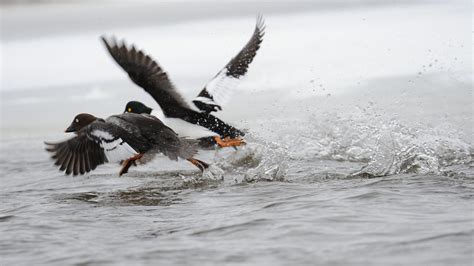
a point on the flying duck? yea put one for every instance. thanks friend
(188, 120)
(120, 138)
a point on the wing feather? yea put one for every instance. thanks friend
(94, 145)
(65, 162)
(87, 158)
(219, 90)
(70, 162)
(114, 147)
(146, 73)
(82, 167)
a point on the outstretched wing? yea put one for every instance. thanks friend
(78, 155)
(218, 91)
(146, 73)
(96, 144)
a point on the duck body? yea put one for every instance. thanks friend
(153, 134)
(183, 127)
(193, 124)
(119, 138)
(192, 120)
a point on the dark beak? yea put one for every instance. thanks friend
(70, 129)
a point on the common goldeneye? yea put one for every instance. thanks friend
(175, 112)
(120, 138)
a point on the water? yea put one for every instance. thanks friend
(357, 154)
(317, 214)
(332, 190)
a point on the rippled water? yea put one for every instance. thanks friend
(334, 189)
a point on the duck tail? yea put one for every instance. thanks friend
(188, 148)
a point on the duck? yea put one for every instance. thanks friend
(124, 138)
(192, 120)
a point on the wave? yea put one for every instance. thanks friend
(385, 146)
(259, 160)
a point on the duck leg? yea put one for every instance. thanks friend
(199, 164)
(228, 142)
(127, 163)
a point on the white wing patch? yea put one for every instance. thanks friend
(221, 88)
(115, 149)
(103, 135)
(204, 100)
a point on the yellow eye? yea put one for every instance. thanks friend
(129, 110)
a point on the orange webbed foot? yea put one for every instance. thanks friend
(229, 142)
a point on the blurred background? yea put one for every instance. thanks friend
(54, 65)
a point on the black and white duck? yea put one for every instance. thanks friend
(188, 120)
(122, 138)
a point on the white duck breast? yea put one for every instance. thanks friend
(183, 128)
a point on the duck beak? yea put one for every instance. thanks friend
(70, 129)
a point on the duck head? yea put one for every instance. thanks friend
(80, 121)
(137, 108)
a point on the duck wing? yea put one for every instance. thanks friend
(94, 145)
(219, 90)
(146, 73)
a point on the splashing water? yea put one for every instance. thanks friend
(259, 160)
(387, 147)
